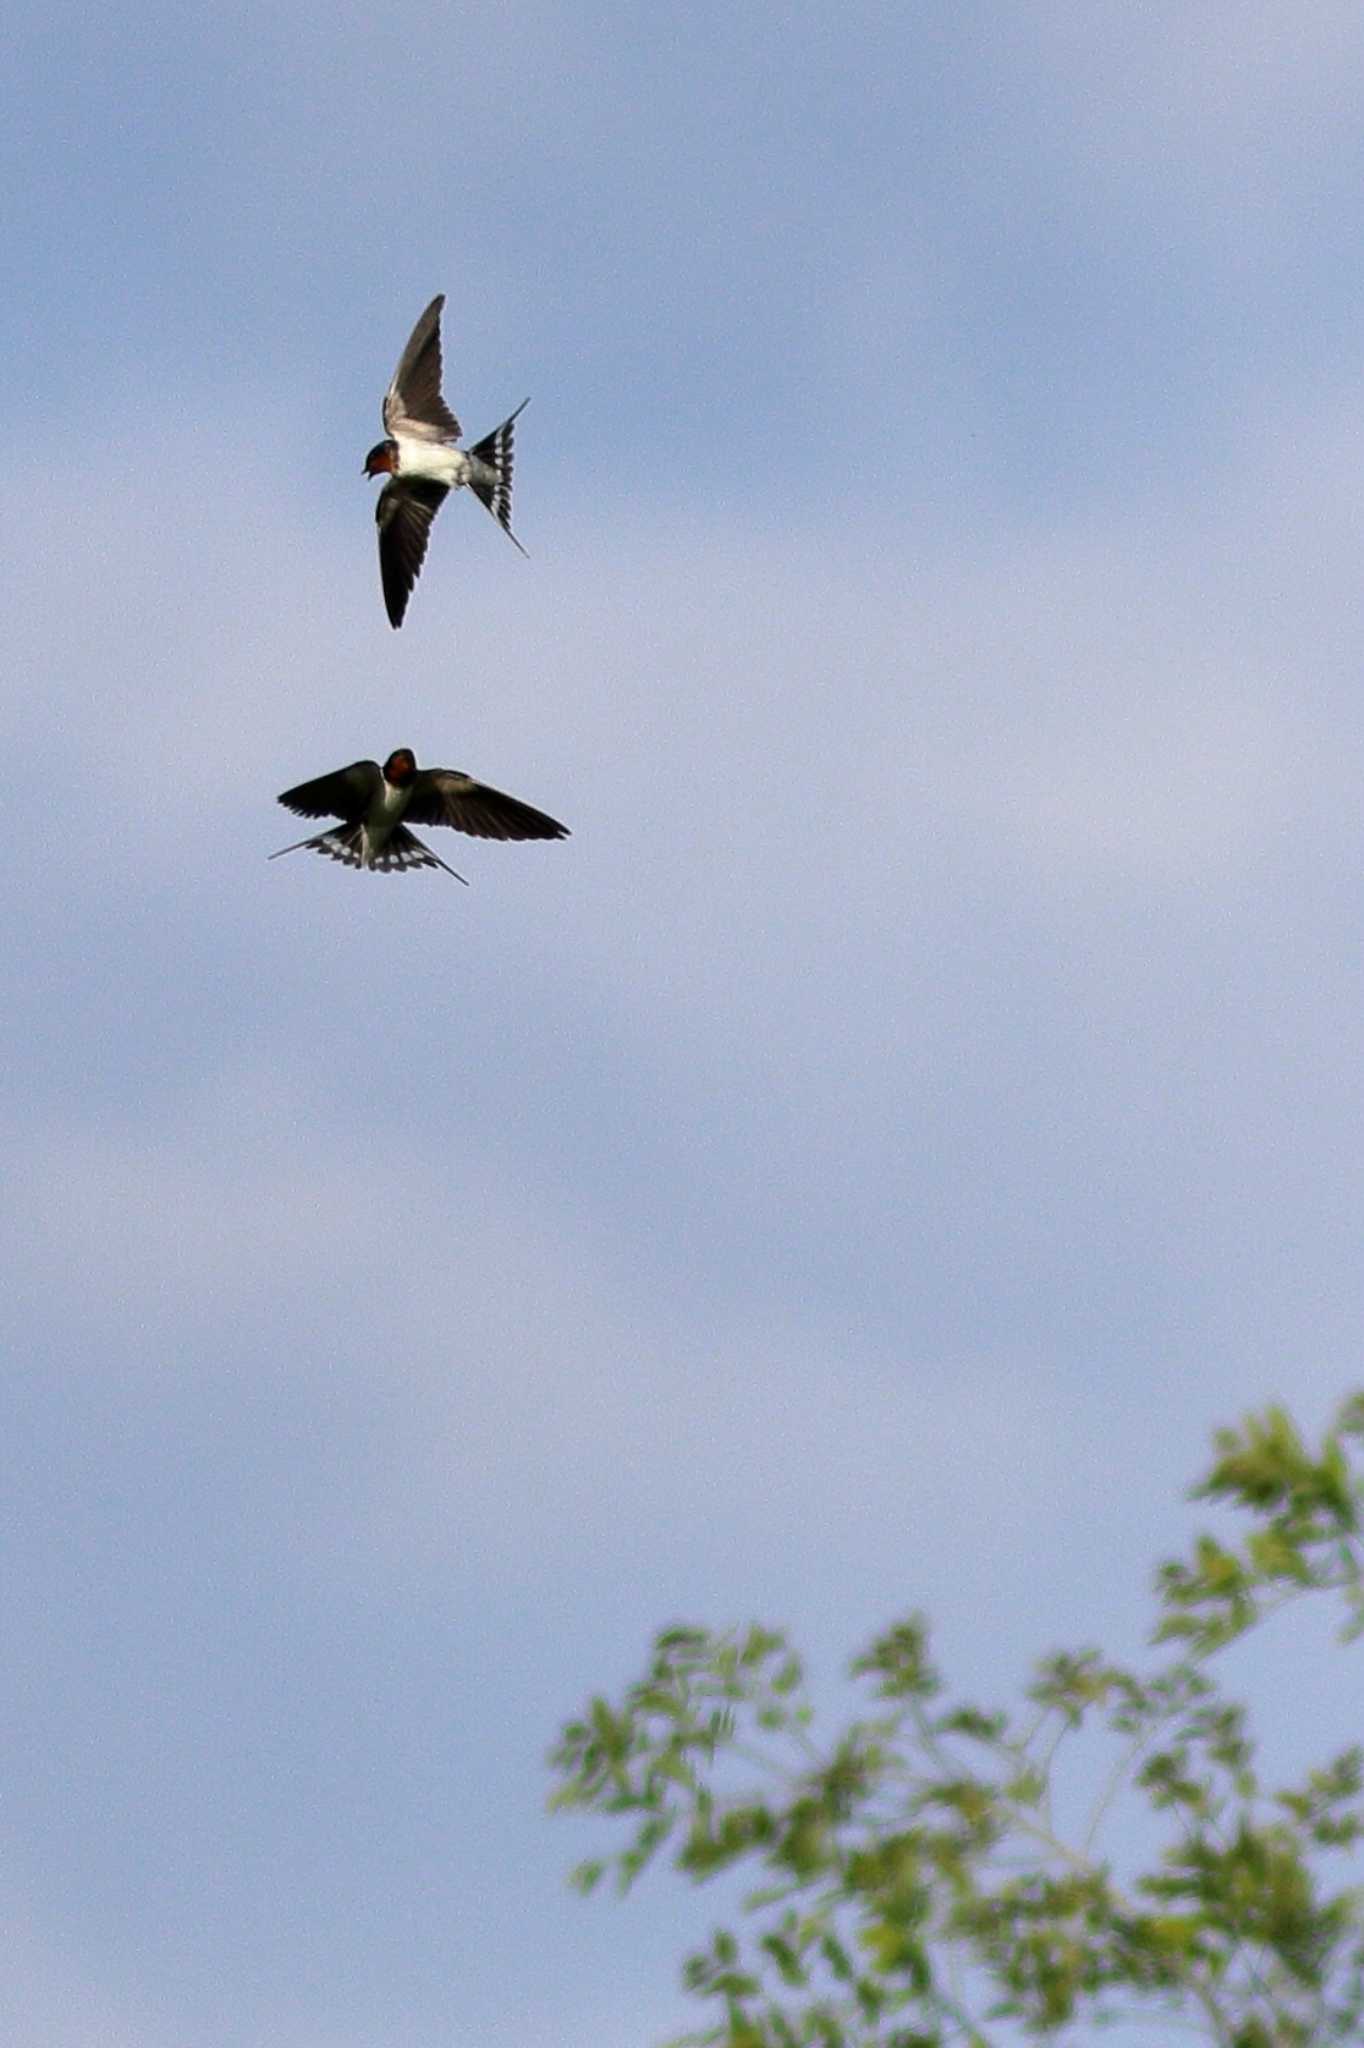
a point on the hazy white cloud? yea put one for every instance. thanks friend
(1237, 109)
(922, 1086)
(782, 755)
(1132, 695)
(531, 1359)
(50, 1999)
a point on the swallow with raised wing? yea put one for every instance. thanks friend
(422, 463)
(375, 805)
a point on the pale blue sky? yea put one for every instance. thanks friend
(855, 1171)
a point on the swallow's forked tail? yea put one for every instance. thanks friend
(400, 851)
(494, 452)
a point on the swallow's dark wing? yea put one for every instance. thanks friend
(413, 404)
(405, 510)
(442, 796)
(346, 793)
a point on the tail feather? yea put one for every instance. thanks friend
(495, 455)
(400, 851)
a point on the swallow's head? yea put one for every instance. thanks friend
(400, 767)
(379, 461)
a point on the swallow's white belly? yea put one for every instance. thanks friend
(449, 466)
(384, 813)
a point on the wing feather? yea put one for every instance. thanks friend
(404, 511)
(444, 796)
(345, 793)
(413, 404)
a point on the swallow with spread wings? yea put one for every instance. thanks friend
(423, 465)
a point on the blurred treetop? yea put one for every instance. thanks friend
(911, 1886)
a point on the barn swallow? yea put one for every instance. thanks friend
(422, 463)
(373, 802)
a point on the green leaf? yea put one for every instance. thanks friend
(894, 1860)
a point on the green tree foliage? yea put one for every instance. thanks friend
(912, 1887)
